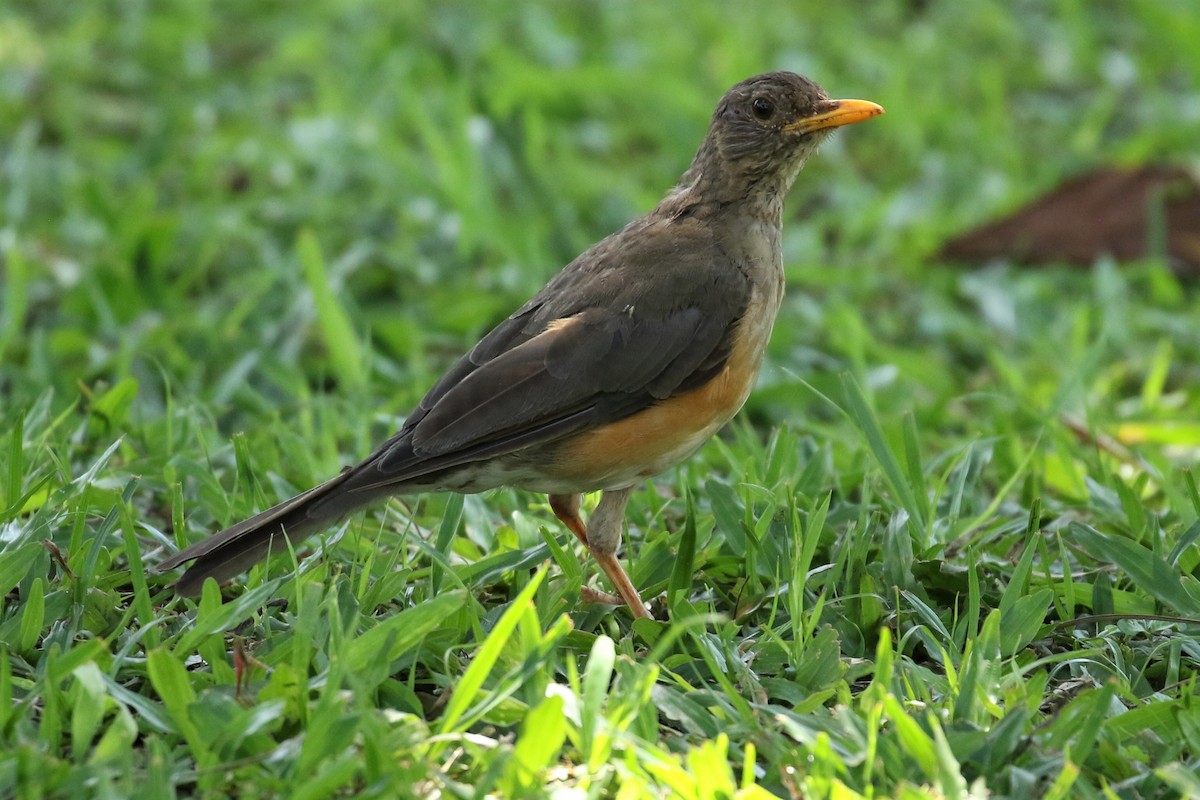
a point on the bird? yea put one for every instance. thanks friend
(622, 366)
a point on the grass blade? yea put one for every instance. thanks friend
(861, 414)
(488, 653)
(1149, 572)
(345, 353)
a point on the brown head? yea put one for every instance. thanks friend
(762, 132)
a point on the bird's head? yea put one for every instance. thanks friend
(765, 128)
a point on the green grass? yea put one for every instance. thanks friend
(951, 546)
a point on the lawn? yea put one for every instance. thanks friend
(950, 547)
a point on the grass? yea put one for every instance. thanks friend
(949, 549)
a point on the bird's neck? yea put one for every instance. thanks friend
(706, 191)
(743, 216)
(712, 187)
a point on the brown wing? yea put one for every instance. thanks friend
(634, 320)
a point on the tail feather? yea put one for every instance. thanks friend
(237, 548)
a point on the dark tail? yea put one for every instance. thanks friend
(237, 548)
(393, 468)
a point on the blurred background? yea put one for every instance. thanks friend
(238, 240)
(245, 205)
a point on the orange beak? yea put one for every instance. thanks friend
(840, 112)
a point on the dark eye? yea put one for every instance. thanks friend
(763, 108)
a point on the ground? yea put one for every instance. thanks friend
(950, 546)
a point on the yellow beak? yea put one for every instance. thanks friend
(841, 112)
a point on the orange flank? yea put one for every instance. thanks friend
(667, 432)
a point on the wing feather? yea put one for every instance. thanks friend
(600, 342)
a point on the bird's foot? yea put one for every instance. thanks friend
(589, 595)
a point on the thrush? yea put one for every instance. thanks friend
(621, 367)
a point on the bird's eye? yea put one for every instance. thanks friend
(763, 108)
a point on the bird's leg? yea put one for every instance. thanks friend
(566, 508)
(603, 538)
